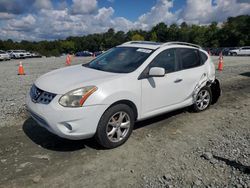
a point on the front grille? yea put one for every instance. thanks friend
(39, 96)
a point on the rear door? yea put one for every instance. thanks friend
(192, 70)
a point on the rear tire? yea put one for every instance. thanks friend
(115, 126)
(203, 99)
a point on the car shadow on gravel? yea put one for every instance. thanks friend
(247, 74)
(244, 169)
(47, 140)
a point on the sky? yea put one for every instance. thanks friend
(36, 20)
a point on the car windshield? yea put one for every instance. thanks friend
(120, 59)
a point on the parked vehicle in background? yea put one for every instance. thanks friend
(4, 55)
(98, 53)
(128, 83)
(225, 51)
(240, 51)
(17, 54)
(27, 54)
(216, 51)
(84, 54)
(21, 54)
(35, 55)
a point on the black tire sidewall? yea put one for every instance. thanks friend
(195, 107)
(101, 135)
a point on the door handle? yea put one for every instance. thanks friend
(178, 80)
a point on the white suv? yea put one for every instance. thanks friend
(4, 55)
(128, 83)
(241, 51)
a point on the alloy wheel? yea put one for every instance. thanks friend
(118, 126)
(203, 99)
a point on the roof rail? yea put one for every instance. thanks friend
(163, 44)
(143, 42)
(182, 43)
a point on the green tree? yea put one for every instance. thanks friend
(137, 37)
(173, 33)
(153, 36)
(184, 32)
(161, 31)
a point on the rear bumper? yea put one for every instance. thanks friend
(70, 123)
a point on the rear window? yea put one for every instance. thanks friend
(203, 57)
(189, 58)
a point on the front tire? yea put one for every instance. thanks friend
(115, 126)
(203, 99)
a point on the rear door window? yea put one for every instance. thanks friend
(189, 58)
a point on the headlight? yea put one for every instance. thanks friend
(77, 97)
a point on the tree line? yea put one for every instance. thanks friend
(232, 33)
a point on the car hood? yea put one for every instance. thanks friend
(63, 80)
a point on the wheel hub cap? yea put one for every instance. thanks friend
(203, 99)
(118, 126)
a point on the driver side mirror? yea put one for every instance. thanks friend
(156, 72)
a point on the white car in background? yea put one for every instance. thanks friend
(241, 51)
(17, 54)
(27, 54)
(4, 55)
(131, 82)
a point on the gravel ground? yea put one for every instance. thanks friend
(178, 149)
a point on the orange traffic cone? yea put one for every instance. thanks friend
(220, 65)
(20, 69)
(68, 60)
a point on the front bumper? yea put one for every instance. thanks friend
(70, 123)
